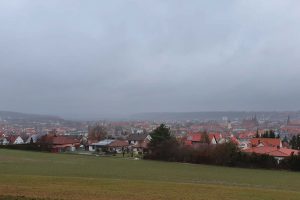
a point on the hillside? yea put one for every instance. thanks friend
(8, 115)
(202, 116)
(63, 176)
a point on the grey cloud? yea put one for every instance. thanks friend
(98, 58)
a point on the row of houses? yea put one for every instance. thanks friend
(61, 143)
(12, 139)
(53, 142)
(269, 146)
(137, 143)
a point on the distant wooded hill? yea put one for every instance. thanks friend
(8, 115)
(216, 115)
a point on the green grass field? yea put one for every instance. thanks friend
(30, 175)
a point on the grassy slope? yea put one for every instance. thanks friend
(60, 176)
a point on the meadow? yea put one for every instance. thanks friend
(34, 175)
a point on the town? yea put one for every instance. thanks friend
(277, 138)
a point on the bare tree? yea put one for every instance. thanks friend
(97, 133)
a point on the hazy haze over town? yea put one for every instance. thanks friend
(93, 58)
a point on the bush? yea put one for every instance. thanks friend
(28, 147)
(292, 162)
(227, 154)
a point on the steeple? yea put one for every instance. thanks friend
(288, 120)
(229, 126)
(255, 119)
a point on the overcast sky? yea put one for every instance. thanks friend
(78, 58)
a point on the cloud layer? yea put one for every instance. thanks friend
(112, 58)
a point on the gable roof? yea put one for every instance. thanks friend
(34, 138)
(143, 145)
(12, 138)
(234, 140)
(137, 137)
(119, 143)
(64, 140)
(196, 137)
(59, 140)
(105, 142)
(272, 142)
(272, 151)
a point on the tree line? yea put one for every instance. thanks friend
(163, 146)
(267, 134)
(295, 142)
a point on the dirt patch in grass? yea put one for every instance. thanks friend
(7, 158)
(19, 198)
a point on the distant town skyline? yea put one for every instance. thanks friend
(89, 59)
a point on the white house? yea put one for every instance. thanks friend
(17, 140)
(100, 145)
(4, 141)
(139, 142)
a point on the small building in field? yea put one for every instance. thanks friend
(139, 142)
(118, 146)
(101, 146)
(59, 143)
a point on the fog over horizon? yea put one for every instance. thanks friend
(86, 59)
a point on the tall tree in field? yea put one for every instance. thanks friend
(160, 134)
(97, 133)
(162, 145)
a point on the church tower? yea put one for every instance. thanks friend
(288, 121)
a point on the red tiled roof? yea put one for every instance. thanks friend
(92, 141)
(119, 143)
(272, 151)
(60, 140)
(247, 134)
(143, 144)
(218, 136)
(234, 140)
(12, 138)
(273, 142)
(64, 140)
(196, 137)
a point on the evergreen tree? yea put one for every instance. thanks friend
(163, 145)
(266, 134)
(205, 138)
(285, 139)
(271, 134)
(257, 134)
(298, 142)
(293, 142)
(159, 135)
